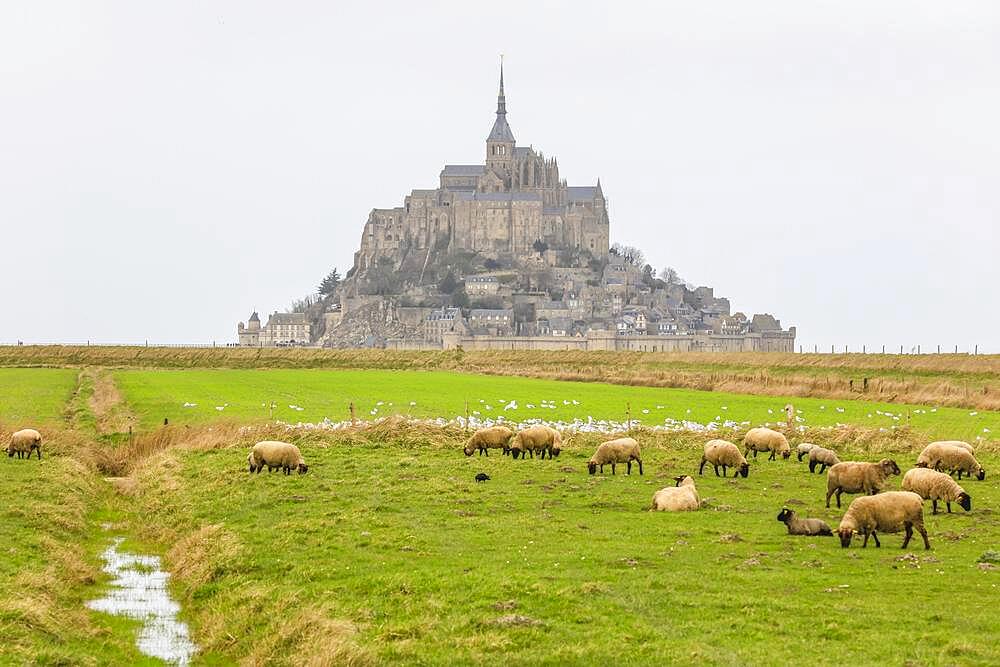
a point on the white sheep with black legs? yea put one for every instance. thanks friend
(822, 457)
(764, 439)
(887, 512)
(858, 477)
(934, 486)
(952, 458)
(797, 526)
(613, 452)
(24, 442)
(491, 437)
(726, 454)
(803, 449)
(274, 454)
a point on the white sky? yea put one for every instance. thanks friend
(167, 167)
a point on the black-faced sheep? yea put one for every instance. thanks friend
(822, 457)
(539, 438)
(621, 450)
(24, 442)
(888, 513)
(858, 477)
(763, 439)
(797, 526)
(952, 456)
(682, 497)
(492, 437)
(803, 449)
(726, 454)
(274, 454)
(934, 486)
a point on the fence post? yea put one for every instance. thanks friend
(901, 349)
(628, 415)
(862, 349)
(918, 349)
(831, 349)
(466, 416)
(977, 350)
(883, 349)
(353, 420)
(939, 349)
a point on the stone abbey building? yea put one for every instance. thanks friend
(503, 208)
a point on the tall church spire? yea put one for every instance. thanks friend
(501, 130)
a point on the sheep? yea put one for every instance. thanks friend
(726, 454)
(858, 477)
(822, 457)
(539, 438)
(274, 454)
(934, 486)
(803, 449)
(682, 497)
(763, 439)
(886, 512)
(797, 526)
(952, 457)
(24, 442)
(493, 437)
(622, 450)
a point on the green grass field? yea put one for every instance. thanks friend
(35, 395)
(388, 552)
(244, 394)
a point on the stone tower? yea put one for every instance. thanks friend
(500, 143)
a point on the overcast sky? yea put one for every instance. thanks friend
(165, 168)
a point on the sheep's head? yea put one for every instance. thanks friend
(846, 534)
(921, 464)
(785, 454)
(785, 514)
(680, 480)
(303, 468)
(744, 470)
(982, 474)
(965, 501)
(591, 467)
(469, 449)
(554, 450)
(889, 466)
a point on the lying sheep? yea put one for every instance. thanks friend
(797, 526)
(493, 437)
(622, 450)
(858, 477)
(680, 498)
(274, 454)
(934, 486)
(886, 512)
(24, 442)
(951, 457)
(763, 439)
(822, 457)
(539, 438)
(726, 454)
(803, 449)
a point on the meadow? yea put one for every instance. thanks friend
(388, 551)
(200, 395)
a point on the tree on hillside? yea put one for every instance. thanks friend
(671, 277)
(330, 283)
(540, 246)
(448, 284)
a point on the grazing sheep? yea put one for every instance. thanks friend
(886, 512)
(726, 454)
(24, 442)
(680, 498)
(482, 477)
(622, 450)
(858, 477)
(822, 457)
(539, 438)
(951, 457)
(934, 486)
(763, 439)
(493, 437)
(803, 449)
(797, 526)
(274, 454)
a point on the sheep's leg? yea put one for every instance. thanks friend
(640, 465)
(864, 545)
(38, 450)
(948, 504)
(959, 472)
(723, 470)
(771, 457)
(909, 533)
(839, 491)
(701, 468)
(923, 534)
(875, 537)
(828, 494)
(934, 506)
(629, 466)
(613, 468)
